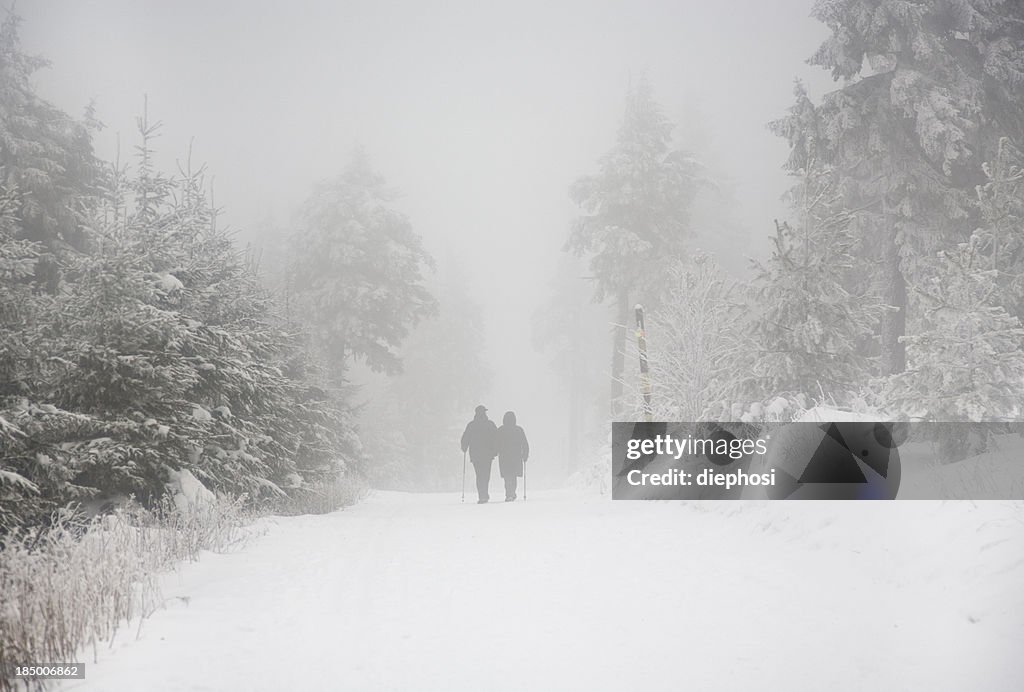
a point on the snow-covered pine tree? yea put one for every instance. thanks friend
(46, 174)
(928, 89)
(358, 271)
(19, 496)
(804, 325)
(163, 353)
(45, 155)
(966, 363)
(635, 215)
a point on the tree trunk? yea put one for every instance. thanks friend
(894, 323)
(619, 351)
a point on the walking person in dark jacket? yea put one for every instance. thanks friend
(479, 440)
(513, 451)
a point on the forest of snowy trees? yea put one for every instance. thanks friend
(894, 286)
(138, 340)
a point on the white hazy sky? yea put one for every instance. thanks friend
(482, 114)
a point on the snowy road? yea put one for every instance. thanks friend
(410, 592)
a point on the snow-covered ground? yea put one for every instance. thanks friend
(574, 591)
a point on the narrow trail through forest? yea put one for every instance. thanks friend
(565, 591)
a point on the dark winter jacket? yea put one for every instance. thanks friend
(479, 439)
(513, 449)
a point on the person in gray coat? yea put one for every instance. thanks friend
(513, 451)
(479, 441)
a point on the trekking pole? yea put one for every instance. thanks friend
(524, 481)
(463, 475)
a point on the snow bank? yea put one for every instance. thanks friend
(594, 478)
(186, 490)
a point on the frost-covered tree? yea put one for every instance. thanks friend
(19, 496)
(692, 340)
(45, 155)
(967, 361)
(966, 364)
(358, 270)
(928, 89)
(1001, 200)
(805, 325)
(635, 214)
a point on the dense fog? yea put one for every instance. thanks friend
(481, 116)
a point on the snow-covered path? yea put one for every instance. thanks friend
(410, 592)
